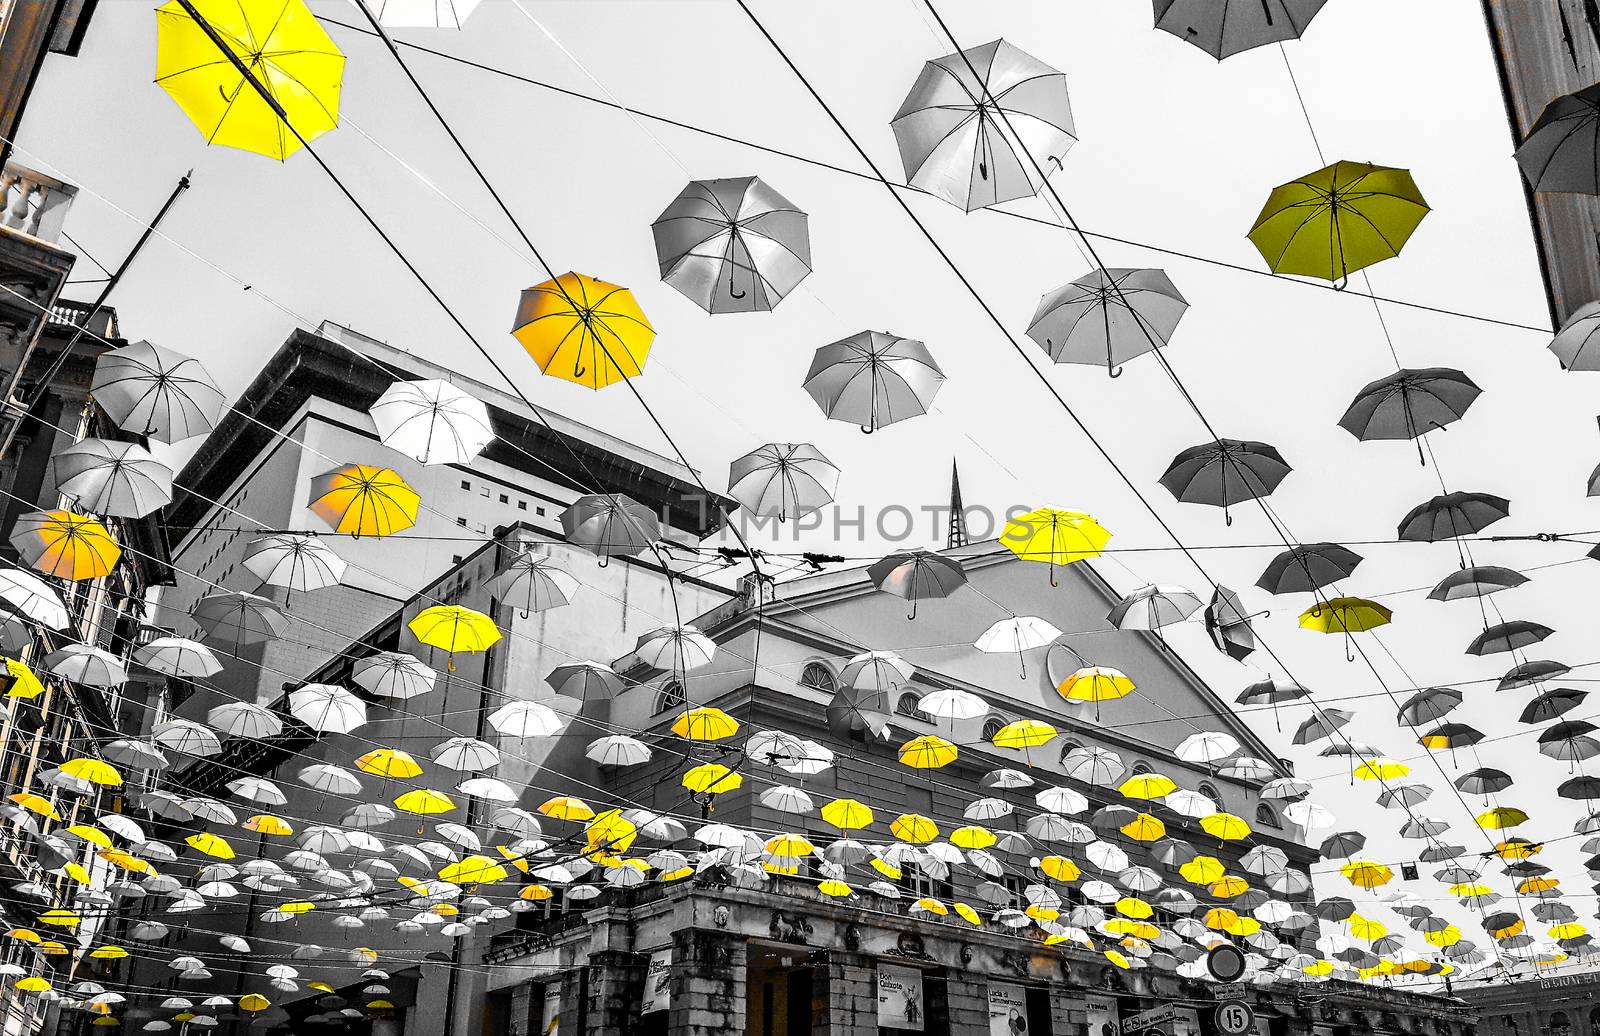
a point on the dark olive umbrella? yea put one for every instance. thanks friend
(1451, 515)
(1508, 636)
(1561, 153)
(1228, 624)
(1224, 472)
(1484, 781)
(917, 575)
(1552, 704)
(1476, 581)
(1307, 567)
(1532, 673)
(1409, 403)
(1429, 705)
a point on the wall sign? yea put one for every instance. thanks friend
(1008, 1009)
(657, 983)
(1104, 1017)
(900, 1003)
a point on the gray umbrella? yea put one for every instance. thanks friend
(733, 245)
(240, 617)
(607, 524)
(1223, 28)
(1453, 514)
(585, 681)
(1152, 607)
(1485, 781)
(120, 479)
(1228, 624)
(1409, 403)
(1508, 636)
(873, 379)
(1308, 567)
(1224, 472)
(1533, 672)
(153, 391)
(1561, 153)
(1577, 344)
(783, 480)
(1477, 581)
(1321, 725)
(1108, 316)
(534, 583)
(959, 133)
(917, 575)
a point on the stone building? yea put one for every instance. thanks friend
(1552, 1004)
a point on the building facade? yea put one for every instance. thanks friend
(1555, 1004)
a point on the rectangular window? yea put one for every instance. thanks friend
(465, 484)
(461, 522)
(504, 499)
(539, 511)
(522, 505)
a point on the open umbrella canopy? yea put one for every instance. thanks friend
(610, 524)
(239, 618)
(585, 681)
(1577, 344)
(732, 245)
(583, 330)
(453, 628)
(984, 126)
(361, 500)
(1337, 220)
(1228, 624)
(1305, 568)
(1451, 515)
(1561, 152)
(1476, 581)
(917, 575)
(1108, 316)
(1152, 607)
(1345, 615)
(1224, 472)
(26, 595)
(432, 421)
(1552, 704)
(1054, 536)
(151, 390)
(65, 545)
(1429, 705)
(783, 480)
(393, 674)
(675, 648)
(534, 583)
(1223, 28)
(293, 561)
(326, 708)
(873, 379)
(1508, 636)
(1409, 403)
(118, 479)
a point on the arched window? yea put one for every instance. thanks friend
(1210, 792)
(818, 677)
(1266, 817)
(1559, 1024)
(670, 697)
(910, 705)
(1139, 766)
(1068, 747)
(991, 727)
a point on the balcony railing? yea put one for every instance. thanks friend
(34, 204)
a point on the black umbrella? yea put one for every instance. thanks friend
(1561, 152)
(1552, 705)
(1477, 581)
(1224, 472)
(1335, 908)
(1429, 705)
(1485, 781)
(1451, 515)
(1531, 673)
(1508, 636)
(1308, 567)
(1228, 624)
(1409, 403)
(1271, 692)
(859, 715)
(1343, 843)
(1580, 787)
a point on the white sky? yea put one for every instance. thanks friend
(1174, 149)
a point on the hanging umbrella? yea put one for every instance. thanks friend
(533, 583)
(150, 390)
(186, 736)
(1321, 725)
(452, 628)
(245, 720)
(1228, 624)
(873, 379)
(330, 779)
(1409, 403)
(783, 480)
(1552, 705)
(1345, 615)
(1476, 581)
(422, 14)
(618, 750)
(1560, 153)
(1451, 515)
(732, 245)
(393, 674)
(1573, 344)
(609, 524)
(431, 421)
(583, 330)
(1508, 636)
(1108, 316)
(1092, 765)
(1429, 705)
(1483, 781)
(917, 575)
(953, 703)
(90, 666)
(1055, 537)
(1224, 472)
(1532, 672)
(585, 681)
(1207, 746)
(32, 598)
(118, 479)
(239, 617)
(290, 560)
(983, 126)
(1096, 684)
(859, 715)
(1152, 607)
(1450, 735)
(326, 708)
(1019, 633)
(675, 648)
(1305, 568)
(360, 500)
(1223, 28)
(1337, 220)
(65, 545)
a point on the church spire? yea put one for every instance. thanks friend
(958, 521)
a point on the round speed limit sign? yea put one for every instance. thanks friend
(1234, 1018)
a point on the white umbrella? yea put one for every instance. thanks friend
(517, 821)
(326, 708)
(1061, 800)
(953, 703)
(293, 561)
(120, 479)
(432, 421)
(393, 674)
(1207, 746)
(1152, 607)
(186, 736)
(178, 656)
(1094, 765)
(1019, 633)
(490, 789)
(676, 648)
(875, 671)
(242, 719)
(534, 583)
(787, 799)
(526, 719)
(618, 750)
(1188, 803)
(152, 391)
(140, 755)
(87, 665)
(330, 779)
(33, 598)
(465, 754)
(783, 480)
(258, 789)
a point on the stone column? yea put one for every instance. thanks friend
(523, 1021)
(616, 985)
(708, 984)
(846, 995)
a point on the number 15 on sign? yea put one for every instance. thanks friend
(1234, 1018)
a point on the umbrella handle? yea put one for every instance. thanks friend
(867, 429)
(913, 614)
(735, 294)
(1115, 372)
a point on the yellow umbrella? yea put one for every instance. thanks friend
(1055, 537)
(108, 953)
(1366, 927)
(1570, 930)
(790, 845)
(33, 984)
(610, 830)
(297, 908)
(968, 914)
(1499, 818)
(677, 875)
(565, 807)
(1148, 786)
(536, 893)
(452, 628)
(1133, 906)
(425, 801)
(1024, 733)
(1225, 826)
(1219, 918)
(1450, 935)
(20, 681)
(360, 500)
(914, 828)
(929, 905)
(283, 46)
(583, 330)
(51, 948)
(1060, 868)
(705, 724)
(1367, 874)
(927, 752)
(23, 935)
(60, 918)
(65, 545)
(35, 804)
(1337, 220)
(389, 762)
(780, 868)
(1381, 770)
(127, 861)
(1518, 849)
(1533, 886)
(211, 845)
(1321, 967)
(1144, 828)
(90, 833)
(1514, 928)
(267, 824)
(1095, 683)
(77, 872)
(885, 868)
(1202, 870)
(1118, 959)
(1243, 926)
(847, 814)
(837, 889)
(1228, 886)
(254, 1002)
(973, 837)
(1345, 615)
(1469, 888)
(711, 778)
(473, 870)
(95, 771)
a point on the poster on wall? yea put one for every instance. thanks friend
(1008, 1009)
(900, 998)
(550, 1015)
(658, 983)
(1104, 1018)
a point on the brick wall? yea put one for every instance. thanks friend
(708, 984)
